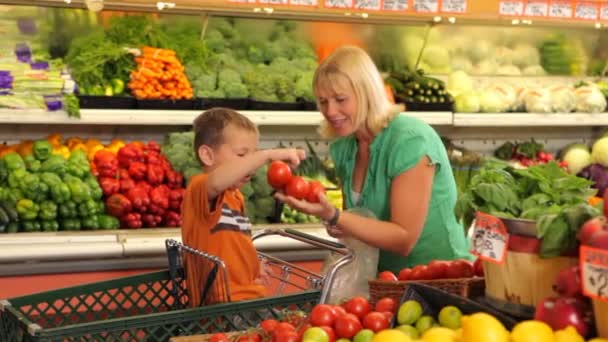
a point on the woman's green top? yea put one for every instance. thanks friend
(396, 149)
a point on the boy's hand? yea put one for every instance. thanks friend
(323, 210)
(292, 155)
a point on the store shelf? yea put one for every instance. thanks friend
(433, 118)
(529, 119)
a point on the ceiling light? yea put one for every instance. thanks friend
(364, 15)
(437, 19)
(452, 20)
(162, 5)
(598, 25)
(515, 22)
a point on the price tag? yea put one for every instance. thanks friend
(586, 11)
(454, 6)
(604, 12)
(511, 8)
(536, 9)
(426, 6)
(367, 4)
(244, 1)
(303, 2)
(560, 9)
(490, 238)
(274, 2)
(395, 5)
(594, 272)
(339, 3)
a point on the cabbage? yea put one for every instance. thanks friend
(589, 99)
(459, 82)
(490, 101)
(599, 151)
(480, 50)
(467, 102)
(525, 55)
(503, 55)
(508, 70)
(562, 99)
(436, 56)
(538, 101)
(412, 45)
(486, 67)
(577, 157)
(520, 99)
(460, 62)
(533, 70)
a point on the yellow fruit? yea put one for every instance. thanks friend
(409, 330)
(450, 316)
(482, 327)
(598, 340)
(424, 323)
(569, 334)
(439, 334)
(532, 331)
(409, 312)
(391, 335)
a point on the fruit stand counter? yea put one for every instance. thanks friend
(34, 262)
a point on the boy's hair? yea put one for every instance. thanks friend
(209, 126)
(350, 66)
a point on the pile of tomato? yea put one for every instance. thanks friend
(282, 179)
(437, 269)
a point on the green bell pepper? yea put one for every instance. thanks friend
(15, 177)
(90, 222)
(3, 171)
(68, 210)
(50, 178)
(80, 190)
(27, 209)
(13, 227)
(42, 149)
(55, 164)
(30, 226)
(13, 195)
(70, 224)
(96, 192)
(14, 161)
(49, 226)
(101, 207)
(79, 156)
(88, 208)
(33, 188)
(31, 163)
(48, 210)
(108, 222)
(59, 191)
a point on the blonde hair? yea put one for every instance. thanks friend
(350, 66)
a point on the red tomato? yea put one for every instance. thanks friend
(339, 311)
(460, 269)
(279, 174)
(388, 315)
(297, 187)
(386, 304)
(268, 325)
(285, 336)
(330, 333)
(478, 267)
(358, 306)
(284, 326)
(437, 269)
(405, 274)
(219, 337)
(322, 314)
(419, 272)
(387, 276)
(375, 321)
(314, 188)
(347, 326)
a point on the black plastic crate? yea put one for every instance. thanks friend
(237, 104)
(107, 102)
(428, 107)
(309, 106)
(263, 105)
(166, 104)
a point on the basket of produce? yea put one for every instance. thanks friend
(419, 92)
(459, 277)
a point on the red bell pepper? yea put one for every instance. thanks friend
(126, 184)
(175, 180)
(139, 198)
(137, 170)
(144, 185)
(105, 163)
(123, 174)
(160, 196)
(109, 185)
(153, 146)
(130, 153)
(153, 158)
(175, 198)
(118, 205)
(156, 174)
(156, 209)
(172, 219)
(131, 220)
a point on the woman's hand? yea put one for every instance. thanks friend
(323, 210)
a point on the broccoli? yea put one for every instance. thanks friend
(304, 63)
(227, 76)
(225, 27)
(236, 91)
(215, 41)
(264, 206)
(250, 210)
(215, 94)
(284, 84)
(256, 54)
(205, 83)
(247, 190)
(261, 86)
(303, 86)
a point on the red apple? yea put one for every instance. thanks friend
(591, 226)
(478, 267)
(544, 310)
(599, 239)
(570, 311)
(568, 282)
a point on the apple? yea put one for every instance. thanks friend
(568, 282)
(561, 312)
(590, 227)
(599, 239)
(478, 267)
(544, 310)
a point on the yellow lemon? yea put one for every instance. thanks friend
(569, 334)
(391, 335)
(439, 334)
(532, 331)
(598, 340)
(482, 327)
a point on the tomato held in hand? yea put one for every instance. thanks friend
(279, 174)
(322, 314)
(315, 187)
(297, 187)
(358, 306)
(387, 276)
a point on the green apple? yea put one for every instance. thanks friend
(364, 335)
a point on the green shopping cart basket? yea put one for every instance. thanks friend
(153, 306)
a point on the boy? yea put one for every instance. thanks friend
(214, 221)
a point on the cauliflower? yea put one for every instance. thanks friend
(589, 99)
(562, 99)
(538, 101)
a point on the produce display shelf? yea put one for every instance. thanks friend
(529, 119)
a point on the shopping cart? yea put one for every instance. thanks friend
(154, 306)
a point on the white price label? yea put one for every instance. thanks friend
(244, 1)
(367, 4)
(426, 6)
(395, 5)
(594, 272)
(339, 3)
(511, 8)
(604, 12)
(274, 2)
(560, 9)
(586, 11)
(454, 6)
(490, 238)
(536, 9)
(303, 2)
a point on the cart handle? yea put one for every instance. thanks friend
(304, 237)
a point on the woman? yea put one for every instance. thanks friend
(391, 164)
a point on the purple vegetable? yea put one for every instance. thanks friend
(598, 174)
(27, 26)
(23, 53)
(40, 65)
(53, 102)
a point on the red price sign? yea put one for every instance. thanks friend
(511, 8)
(594, 272)
(536, 9)
(490, 238)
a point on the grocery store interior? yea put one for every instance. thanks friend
(85, 85)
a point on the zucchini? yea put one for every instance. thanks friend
(12, 227)
(4, 219)
(10, 210)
